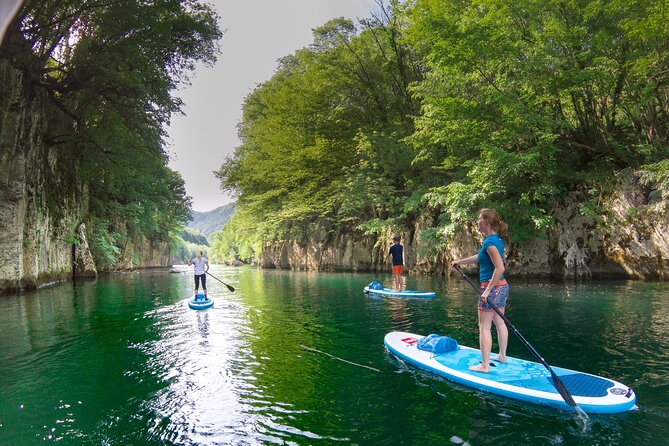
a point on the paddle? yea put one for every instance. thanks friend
(557, 382)
(230, 287)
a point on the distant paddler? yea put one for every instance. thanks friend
(201, 267)
(396, 251)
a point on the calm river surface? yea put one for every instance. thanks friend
(297, 358)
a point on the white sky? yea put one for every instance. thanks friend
(256, 34)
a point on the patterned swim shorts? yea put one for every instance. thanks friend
(498, 296)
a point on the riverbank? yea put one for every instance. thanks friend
(626, 240)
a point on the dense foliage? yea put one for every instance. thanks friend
(194, 236)
(323, 139)
(112, 67)
(524, 101)
(186, 246)
(449, 106)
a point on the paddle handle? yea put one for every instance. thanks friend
(559, 385)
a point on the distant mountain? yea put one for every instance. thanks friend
(194, 236)
(210, 222)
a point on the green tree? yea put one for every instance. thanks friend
(332, 115)
(112, 66)
(523, 101)
(194, 236)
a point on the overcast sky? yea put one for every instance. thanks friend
(256, 34)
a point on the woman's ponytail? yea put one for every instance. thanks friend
(495, 221)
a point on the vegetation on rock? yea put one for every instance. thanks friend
(444, 107)
(112, 67)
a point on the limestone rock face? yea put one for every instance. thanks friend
(41, 203)
(638, 244)
(629, 242)
(145, 254)
(84, 265)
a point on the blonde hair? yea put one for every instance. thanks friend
(495, 221)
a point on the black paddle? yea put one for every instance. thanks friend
(557, 382)
(230, 287)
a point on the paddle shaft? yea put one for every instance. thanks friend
(230, 287)
(557, 382)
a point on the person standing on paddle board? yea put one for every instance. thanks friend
(397, 253)
(491, 275)
(201, 267)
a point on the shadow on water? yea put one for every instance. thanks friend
(298, 358)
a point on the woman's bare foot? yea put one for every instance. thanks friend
(479, 368)
(499, 358)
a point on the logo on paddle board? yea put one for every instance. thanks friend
(410, 340)
(618, 391)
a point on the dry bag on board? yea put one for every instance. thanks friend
(437, 344)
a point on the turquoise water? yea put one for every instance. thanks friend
(298, 359)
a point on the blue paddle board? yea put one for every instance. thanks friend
(200, 302)
(517, 378)
(403, 293)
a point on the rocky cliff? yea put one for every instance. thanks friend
(43, 202)
(145, 254)
(627, 241)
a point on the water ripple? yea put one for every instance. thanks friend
(298, 358)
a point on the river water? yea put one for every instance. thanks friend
(297, 358)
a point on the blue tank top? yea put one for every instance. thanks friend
(486, 267)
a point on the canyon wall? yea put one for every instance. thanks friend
(628, 241)
(43, 202)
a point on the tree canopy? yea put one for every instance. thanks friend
(449, 106)
(112, 66)
(322, 140)
(523, 102)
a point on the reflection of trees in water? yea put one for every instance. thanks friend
(638, 327)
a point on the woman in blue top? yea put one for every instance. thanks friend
(491, 274)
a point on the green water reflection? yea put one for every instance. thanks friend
(298, 358)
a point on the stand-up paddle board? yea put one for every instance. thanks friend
(200, 302)
(377, 288)
(517, 378)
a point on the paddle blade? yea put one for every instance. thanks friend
(562, 389)
(230, 287)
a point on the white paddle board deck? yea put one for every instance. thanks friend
(403, 293)
(517, 378)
